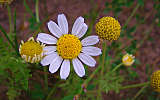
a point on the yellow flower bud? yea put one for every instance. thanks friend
(155, 81)
(128, 60)
(108, 28)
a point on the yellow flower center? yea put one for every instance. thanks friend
(69, 46)
(108, 28)
(31, 48)
(130, 59)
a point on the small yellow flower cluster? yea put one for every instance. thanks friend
(69, 46)
(155, 81)
(108, 28)
(31, 51)
(128, 59)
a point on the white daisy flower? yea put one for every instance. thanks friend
(67, 48)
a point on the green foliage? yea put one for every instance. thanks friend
(132, 74)
(117, 5)
(141, 2)
(33, 24)
(13, 71)
(70, 97)
(111, 82)
(37, 93)
(130, 31)
(131, 49)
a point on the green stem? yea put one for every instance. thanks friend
(5, 34)
(130, 17)
(135, 85)
(118, 66)
(52, 91)
(132, 14)
(45, 79)
(102, 70)
(27, 8)
(37, 11)
(93, 15)
(139, 92)
(103, 57)
(90, 78)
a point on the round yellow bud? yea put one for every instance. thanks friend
(155, 81)
(108, 28)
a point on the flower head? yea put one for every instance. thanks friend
(108, 28)
(6, 1)
(128, 59)
(67, 47)
(31, 51)
(155, 81)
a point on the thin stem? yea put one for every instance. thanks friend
(130, 17)
(132, 14)
(135, 85)
(117, 67)
(28, 9)
(103, 57)
(90, 78)
(139, 92)
(93, 15)
(92, 75)
(52, 91)
(37, 11)
(5, 34)
(102, 70)
(45, 79)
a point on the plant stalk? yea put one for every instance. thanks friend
(37, 11)
(117, 67)
(45, 79)
(135, 85)
(139, 92)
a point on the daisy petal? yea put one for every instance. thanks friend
(55, 64)
(77, 26)
(92, 51)
(63, 24)
(82, 31)
(90, 40)
(54, 29)
(78, 67)
(46, 38)
(48, 59)
(49, 49)
(86, 59)
(65, 69)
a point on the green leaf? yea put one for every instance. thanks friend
(141, 2)
(70, 97)
(28, 9)
(132, 74)
(90, 87)
(12, 93)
